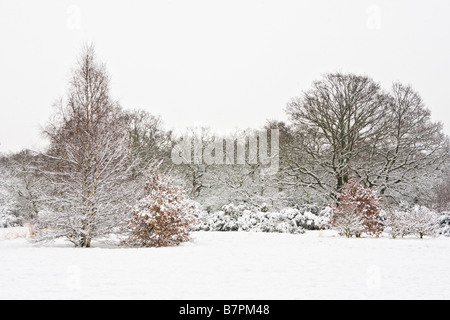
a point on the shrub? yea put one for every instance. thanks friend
(419, 221)
(347, 220)
(163, 217)
(8, 220)
(357, 211)
(396, 223)
(246, 217)
(444, 222)
(423, 222)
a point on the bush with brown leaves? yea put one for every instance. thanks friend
(163, 217)
(356, 211)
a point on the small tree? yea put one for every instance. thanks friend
(419, 221)
(357, 205)
(163, 217)
(396, 223)
(423, 222)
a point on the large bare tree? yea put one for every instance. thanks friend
(346, 125)
(87, 164)
(334, 120)
(412, 150)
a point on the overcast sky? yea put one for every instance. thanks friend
(222, 64)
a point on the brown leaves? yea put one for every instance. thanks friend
(163, 217)
(357, 211)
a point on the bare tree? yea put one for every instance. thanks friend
(87, 164)
(192, 169)
(148, 142)
(244, 178)
(334, 121)
(28, 184)
(442, 191)
(347, 126)
(412, 151)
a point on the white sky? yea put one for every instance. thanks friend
(222, 64)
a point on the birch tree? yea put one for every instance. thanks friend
(87, 165)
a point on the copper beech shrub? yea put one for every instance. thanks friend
(163, 217)
(356, 211)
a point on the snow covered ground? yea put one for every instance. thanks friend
(230, 265)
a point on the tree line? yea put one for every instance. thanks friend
(344, 127)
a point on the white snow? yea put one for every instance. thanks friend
(231, 265)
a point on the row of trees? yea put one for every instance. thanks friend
(346, 126)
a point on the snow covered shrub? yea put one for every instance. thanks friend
(246, 217)
(232, 210)
(164, 217)
(419, 221)
(422, 222)
(8, 215)
(396, 223)
(404, 206)
(216, 221)
(274, 222)
(357, 211)
(444, 221)
(8, 220)
(348, 220)
(306, 219)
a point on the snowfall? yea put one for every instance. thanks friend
(229, 265)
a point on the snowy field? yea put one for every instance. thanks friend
(230, 265)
